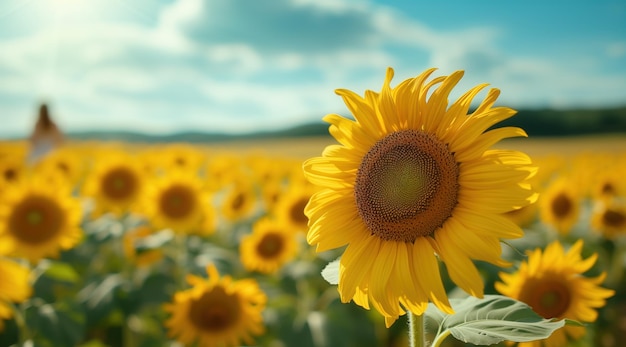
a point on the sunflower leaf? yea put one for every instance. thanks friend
(490, 320)
(331, 272)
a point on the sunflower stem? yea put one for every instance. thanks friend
(416, 330)
(19, 315)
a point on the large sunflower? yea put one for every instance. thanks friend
(551, 282)
(38, 220)
(217, 312)
(270, 245)
(413, 178)
(14, 287)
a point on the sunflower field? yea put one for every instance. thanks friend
(130, 230)
(173, 244)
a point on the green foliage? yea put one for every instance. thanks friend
(57, 324)
(549, 122)
(490, 320)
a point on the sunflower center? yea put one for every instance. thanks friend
(296, 213)
(36, 219)
(561, 205)
(549, 298)
(215, 310)
(270, 246)
(10, 174)
(63, 167)
(177, 201)
(614, 218)
(119, 184)
(607, 188)
(238, 202)
(406, 186)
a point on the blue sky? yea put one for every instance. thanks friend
(162, 66)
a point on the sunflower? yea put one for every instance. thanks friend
(240, 201)
(609, 183)
(413, 178)
(177, 156)
(14, 287)
(269, 247)
(217, 312)
(38, 220)
(552, 284)
(609, 217)
(290, 206)
(115, 183)
(178, 201)
(221, 170)
(559, 205)
(64, 162)
(12, 169)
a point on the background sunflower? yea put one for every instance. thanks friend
(38, 220)
(552, 283)
(270, 245)
(217, 312)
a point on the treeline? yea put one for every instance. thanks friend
(536, 123)
(548, 122)
(545, 122)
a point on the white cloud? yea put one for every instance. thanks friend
(616, 50)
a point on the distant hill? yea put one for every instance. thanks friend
(545, 122)
(313, 129)
(548, 122)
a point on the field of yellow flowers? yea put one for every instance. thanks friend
(119, 244)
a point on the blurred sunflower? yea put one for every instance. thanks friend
(217, 312)
(221, 170)
(411, 178)
(271, 192)
(178, 201)
(177, 156)
(552, 284)
(239, 202)
(609, 183)
(290, 206)
(38, 220)
(609, 218)
(115, 183)
(559, 205)
(14, 287)
(65, 163)
(270, 245)
(12, 169)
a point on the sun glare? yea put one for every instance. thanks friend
(68, 12)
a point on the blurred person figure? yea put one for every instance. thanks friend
(46, 136)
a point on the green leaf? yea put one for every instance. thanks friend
(490, 320)
(61, 272)
(154, 241)
(61, 323)
(99, 296)
(331, 272)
